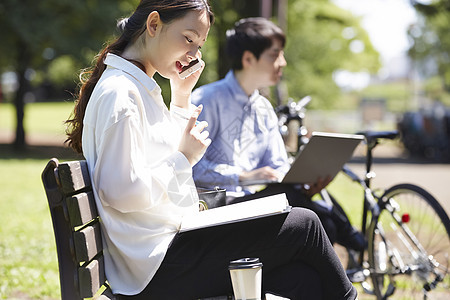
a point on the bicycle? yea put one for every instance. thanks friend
(408, 235)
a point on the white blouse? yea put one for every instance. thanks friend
(142, 185)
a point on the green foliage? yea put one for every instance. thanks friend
(68, 27)
(320, 39)
(42, 35)
(431, 41)
(435, 90)
(35, 32)
(61, 71)
(58, 38)
(315, 48)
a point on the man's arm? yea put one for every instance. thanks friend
(213, 169)
(275, 155)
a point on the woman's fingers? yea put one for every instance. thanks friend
(204, 137)
(199, 126)
(193, 119)
(196, 128)
(195, 141)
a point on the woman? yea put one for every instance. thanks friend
(140, 157)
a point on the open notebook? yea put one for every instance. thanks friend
(258, 208)
(324, 155)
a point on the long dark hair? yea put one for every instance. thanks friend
(131, 28)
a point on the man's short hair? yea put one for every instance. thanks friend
(251, 34)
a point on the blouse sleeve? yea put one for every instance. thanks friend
(182, 112)
(123, 179)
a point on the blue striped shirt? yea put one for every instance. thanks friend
(244, 133)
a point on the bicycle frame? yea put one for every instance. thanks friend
(375, 204)
(400, 243)
(372, 202)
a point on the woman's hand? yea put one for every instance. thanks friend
(194, 141)
(181, 88)
(264, 173)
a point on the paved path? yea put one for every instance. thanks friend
(435, 178)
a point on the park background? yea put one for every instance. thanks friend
(333, 56)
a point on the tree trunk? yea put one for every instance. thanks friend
(19, 100)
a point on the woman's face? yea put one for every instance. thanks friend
(178, 43)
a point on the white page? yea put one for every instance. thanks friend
(236, 212)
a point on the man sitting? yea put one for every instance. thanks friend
(246, 142)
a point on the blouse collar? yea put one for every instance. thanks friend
(115, 61)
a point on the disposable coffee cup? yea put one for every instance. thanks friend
(246, 278)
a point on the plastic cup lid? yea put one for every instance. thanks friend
(245, 263)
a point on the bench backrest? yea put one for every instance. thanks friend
(77, 230)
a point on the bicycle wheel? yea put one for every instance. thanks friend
(409, 245)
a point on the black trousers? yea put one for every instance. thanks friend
(299, 261)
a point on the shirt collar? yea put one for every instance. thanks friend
(238, 93)
(120, 63)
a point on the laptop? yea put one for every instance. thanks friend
(324, 155)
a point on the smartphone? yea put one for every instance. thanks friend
(193, 67)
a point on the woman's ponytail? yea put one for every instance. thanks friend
(74, 124)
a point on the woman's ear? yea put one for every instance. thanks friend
(153, 23)
(247, 59)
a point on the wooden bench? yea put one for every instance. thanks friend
(77, 230)
(78, 234)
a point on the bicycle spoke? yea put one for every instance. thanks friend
(413, 229)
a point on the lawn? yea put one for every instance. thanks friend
(28, 262)
(40, 118)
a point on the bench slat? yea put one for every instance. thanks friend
(88, 242)
(91, 277)
(73, 176)
(81, 208)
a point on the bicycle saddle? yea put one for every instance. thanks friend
(372, 136)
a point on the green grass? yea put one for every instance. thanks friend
(28, 260)
(28, 263)
(349, 195)
(40, 118)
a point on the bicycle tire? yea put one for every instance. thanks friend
(393, 255)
